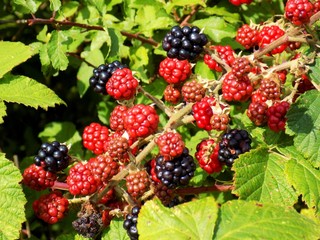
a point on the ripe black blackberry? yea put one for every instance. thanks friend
(52, 157)
(88, 226)
(232, 144)
(102, 74)
(184, 43)
(130, 223)
(176, 172)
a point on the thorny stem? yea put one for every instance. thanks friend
(144, 153)
(78, 200)
(178, 115)
(125, 195)
(197, 190)
(293, 92)
(112, 183)
(52, 21)
(214, 56)
(314, 18)
(157, 101)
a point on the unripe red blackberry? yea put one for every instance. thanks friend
(94, 137)
(219, 122)
(116, 118)
(137, 183)
(269, 34)
(141, 121)
(51, 207)
(257, 112)
(103, 168)
(240, 67)
(81, 180)
(299, 11)
(247, 36)
(225, 53)
(174, 71)
(236, 89)
(277, 116)
(122, 85)
(52, 157)
(37, 178)
(193, 91)
(170, 145)
(102, 74)
(269, 89)
(207, 156)
(118, 148)
(202, 112)
(239, 2)
(172, 94)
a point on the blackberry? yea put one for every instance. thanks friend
(52, 157)
(102, 74)
(184, 43)
(176, 172)
(130, 223)
(88, 226)
(232, 144)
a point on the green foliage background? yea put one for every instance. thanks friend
(44, 96)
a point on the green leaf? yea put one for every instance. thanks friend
(116, 231)
(95, 58)
(193, 220)
(71, 237)
(104, 110)
(249, 220)
(259, 175)
(24, 90)
(217, 29)
(65, 132)
(12, 54)
(12, 200)
(183, 3)
(55, 5)
(202, 69)
(306, 180)
(3, 111)
(29, 6)
(57, 50)
(99, 4)
(68, 9)
(304, 123)
(314, 72)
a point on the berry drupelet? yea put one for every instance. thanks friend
(232, 144)
(52, 157)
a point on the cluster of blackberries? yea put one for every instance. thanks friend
(184, 43)
(232, 144)
(52, 157)
(130, 223)
(88, 226)
(176, 172)
(102, 74)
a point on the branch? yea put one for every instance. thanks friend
(187, 18)
(52, 21)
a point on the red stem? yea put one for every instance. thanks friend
(60, 185)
